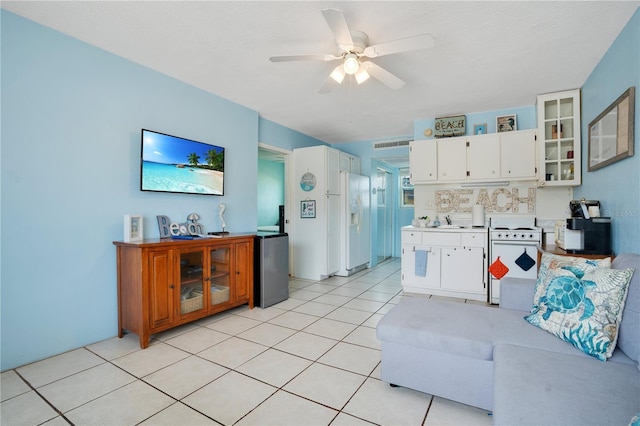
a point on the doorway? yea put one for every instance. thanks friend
(384, 193)
(273, 191)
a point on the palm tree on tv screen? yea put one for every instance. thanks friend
(215, 160)
(193, 159)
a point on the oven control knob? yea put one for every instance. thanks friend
(531, 236)
(523, 236)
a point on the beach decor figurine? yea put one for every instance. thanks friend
(170, 229)
(223, 224)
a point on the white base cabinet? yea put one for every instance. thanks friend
(456, 262)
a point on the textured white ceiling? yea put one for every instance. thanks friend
(488, 55)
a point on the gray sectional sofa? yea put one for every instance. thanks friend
(492, 358)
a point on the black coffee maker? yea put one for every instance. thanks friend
(596, 230)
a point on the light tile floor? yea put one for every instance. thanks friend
(311, 360)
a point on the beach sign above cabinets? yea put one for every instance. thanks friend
(450, 126)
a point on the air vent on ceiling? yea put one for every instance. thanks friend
(390, 144)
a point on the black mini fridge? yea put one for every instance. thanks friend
(271, 269)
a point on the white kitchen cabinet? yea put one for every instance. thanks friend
(423, 161)
(477, 158)
(417, 283)
(559, 139)
(483, 157)
(349, 163)
(452, 159)
(316, 239)
(518, 155)
(462, 270)
(456, 262)
(332, 166)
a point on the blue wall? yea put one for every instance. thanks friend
(71, 120)
(616, 186)
(525, 119)
(271, 191)
(283, 137)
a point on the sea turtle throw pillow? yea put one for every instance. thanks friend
(551, 263)
(583, 306)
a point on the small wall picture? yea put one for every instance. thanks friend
(480, 129)
(133, 228)
(506, 123)
(308, 209)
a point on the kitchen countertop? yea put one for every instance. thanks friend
(446, 228)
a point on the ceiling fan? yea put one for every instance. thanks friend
(353, 48)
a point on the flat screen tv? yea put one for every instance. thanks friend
(172, 164)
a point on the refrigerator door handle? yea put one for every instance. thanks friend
(359, 204)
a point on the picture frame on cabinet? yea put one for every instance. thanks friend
(308, 209)
(133, 229)
(506, 123)
(480, 129)
(611, 134)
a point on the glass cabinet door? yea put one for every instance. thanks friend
(219, 277)
(191, 281)
(559, 122)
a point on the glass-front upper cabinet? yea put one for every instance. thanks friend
(219, 276)
(559, 132)
(191, 281)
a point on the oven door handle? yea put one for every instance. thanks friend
(515, 243)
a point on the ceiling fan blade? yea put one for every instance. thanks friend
(287, 58)
(383, 75)
(327, 86)
(423, 41)
(338, 24)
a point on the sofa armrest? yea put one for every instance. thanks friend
(517, 293)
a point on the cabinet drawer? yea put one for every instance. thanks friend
(441, 238)
(411, 237)
(473, 240)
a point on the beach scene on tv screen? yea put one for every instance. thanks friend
(173, 164)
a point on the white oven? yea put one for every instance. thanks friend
(513, 250)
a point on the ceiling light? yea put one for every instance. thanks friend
(362, 75)
(338, 74)
(351, 64)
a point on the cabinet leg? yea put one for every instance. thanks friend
(144, 340)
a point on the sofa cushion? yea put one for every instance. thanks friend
(583, 306)
(538, 387)
(554, 264)
(463, 329)
(629, 333)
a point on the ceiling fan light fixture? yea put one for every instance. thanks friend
(351, 64)
(362, 75)
(338, 74)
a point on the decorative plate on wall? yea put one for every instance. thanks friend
(308, 181)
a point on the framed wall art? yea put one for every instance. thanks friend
(133, 230)
(450, 126)
(480, 129)
(611, 133)
(308, 209)
(506, 123)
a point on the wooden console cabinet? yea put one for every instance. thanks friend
(165, 283)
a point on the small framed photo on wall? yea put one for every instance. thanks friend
(308, 209)
(480, 129)
(133, 230)
(506, 123)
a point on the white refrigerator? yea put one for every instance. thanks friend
(355, 235)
